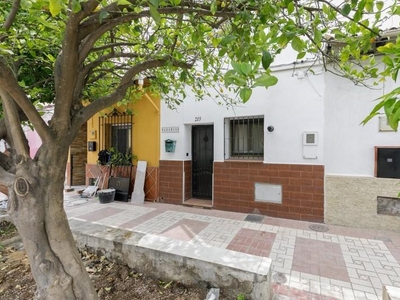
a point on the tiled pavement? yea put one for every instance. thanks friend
(343, 263)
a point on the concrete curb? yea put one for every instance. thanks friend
(233, 272)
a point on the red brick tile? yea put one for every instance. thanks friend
(257, 165)
(239, 165)
(247, 184)
(301, 182)
(240, 203)
(279, 180)
(268, 173)
(301, 196)
(318, 212)
(278, 167)
(318, 197)
(289, 174)
(318, 168)
(292, 188)
(301, 210)
(312, 189)
(238, 177)
(288, 215)
(307, 168)
(318, 182)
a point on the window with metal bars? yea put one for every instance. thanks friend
(244, 137)
(116, 132)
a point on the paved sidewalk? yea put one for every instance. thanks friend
(341, 263)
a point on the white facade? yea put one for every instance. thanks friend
(322, 103)
(292, 107)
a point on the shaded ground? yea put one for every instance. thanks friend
(112, 281)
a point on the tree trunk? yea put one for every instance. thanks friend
(36, 207)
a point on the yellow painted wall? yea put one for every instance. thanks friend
(145, 131)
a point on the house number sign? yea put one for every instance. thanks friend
(173, 129)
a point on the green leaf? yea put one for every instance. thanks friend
(374, 112)
(5, 51)
(123, 2)
(297, 44)
(346, 9)
(379, 5)
(290, 8)
(266, 59)
(55, 7)
(239, 81)
(103, 15)
(226, 40)
(245, 68)
(155, 14)
(265, 81)
(155, 3)
(76, 6)
(245, 94)
(236, 67)
(357, 16)
(389, 106)
(318, 37)
(301, 55)
(213, 7)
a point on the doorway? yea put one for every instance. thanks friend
(202, 161)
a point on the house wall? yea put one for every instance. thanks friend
(349, 156)
(145, 131)
(145, 145)
(302, 189)
(338, 187)
(292, 110)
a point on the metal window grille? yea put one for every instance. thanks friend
(116, 131)
(244, 137)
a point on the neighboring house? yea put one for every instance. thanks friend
(296, 150)
(137, 133)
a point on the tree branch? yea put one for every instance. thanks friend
(14, 125)
(127, 81)
(6, 178)
(97, 29)
(9, 83)
(65, 74)
(12, 15)
(348, 17)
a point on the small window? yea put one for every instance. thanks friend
(244, 137)
(121, 137)
(116, 132)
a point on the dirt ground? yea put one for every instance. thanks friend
(112, 281)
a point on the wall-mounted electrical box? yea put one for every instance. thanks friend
(387, 162)
(310, 138)
(93, 134)
(91, 146)
(310, 144)
(384, 124)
